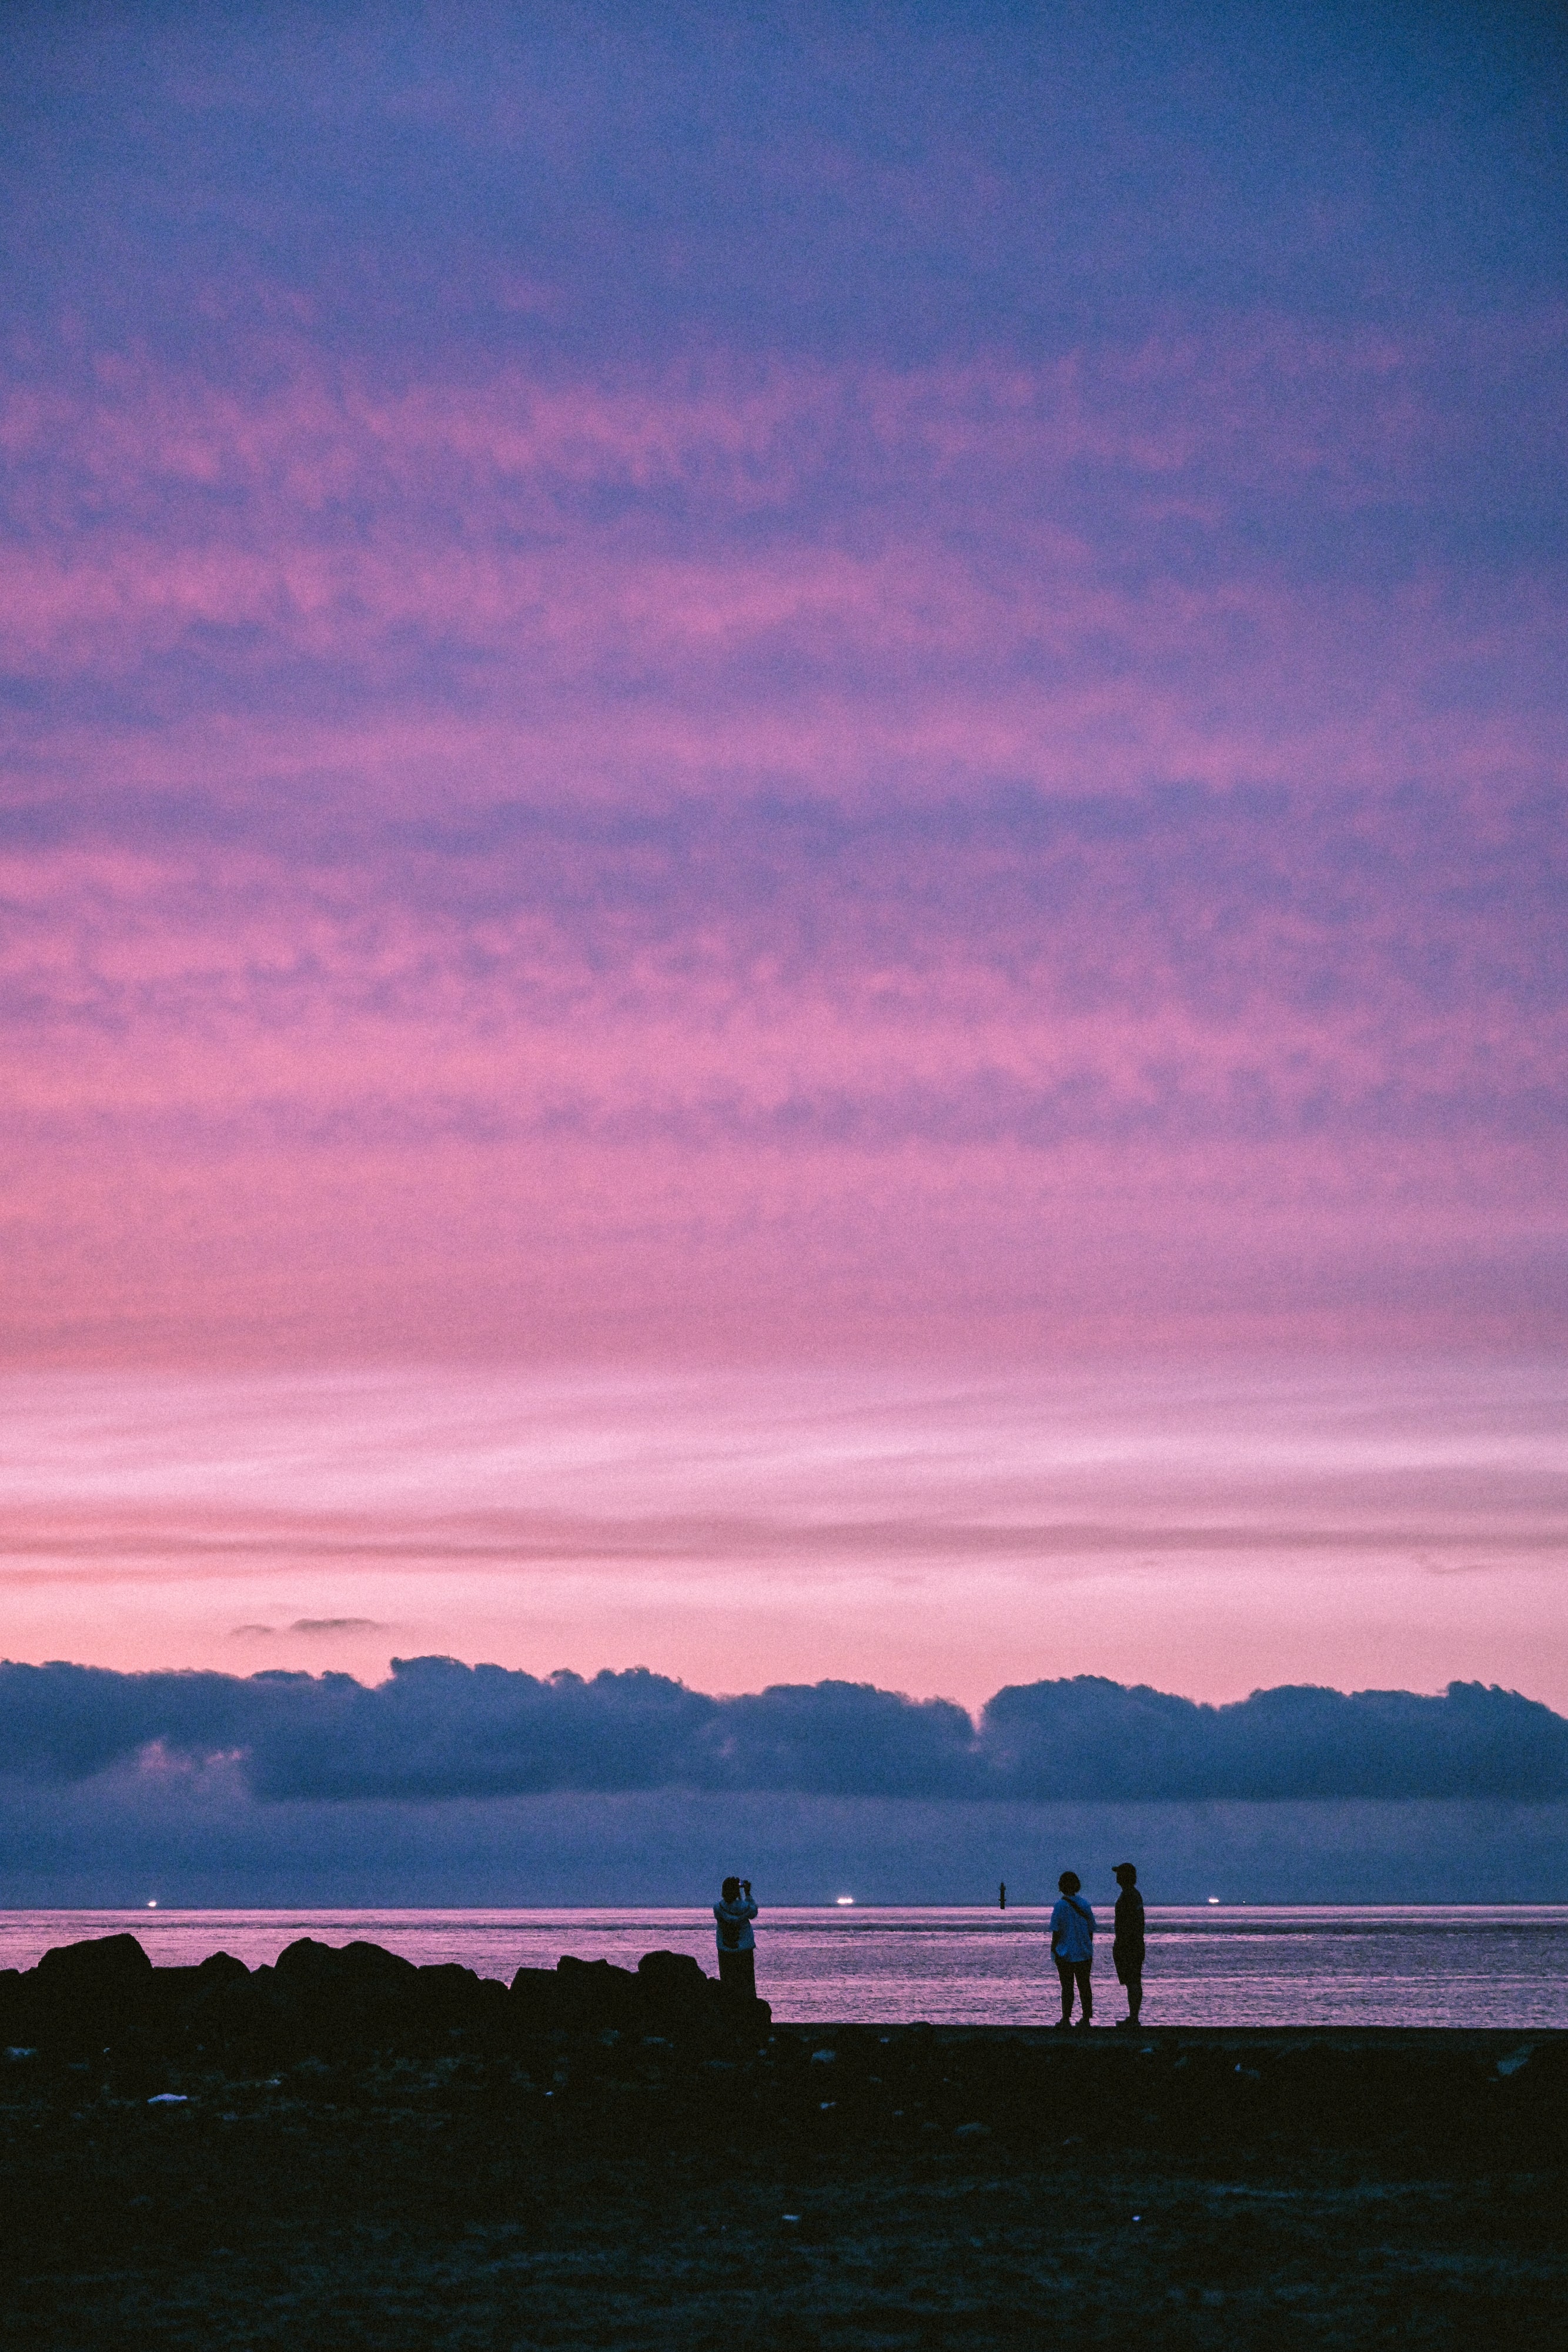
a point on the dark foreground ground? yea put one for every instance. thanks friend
(343, 2149)
(916, 2187)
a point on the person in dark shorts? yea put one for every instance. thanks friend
(1072, 1949)
(1127, 1949)
(733, 1914)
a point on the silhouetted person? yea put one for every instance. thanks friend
(1002, 1896)
(733, 1914)
(1127, 1949)
(1072, 1949)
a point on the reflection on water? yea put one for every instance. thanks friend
(1432, 1965)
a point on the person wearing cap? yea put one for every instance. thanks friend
(1127, 1946)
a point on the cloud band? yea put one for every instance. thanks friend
(437, 1729)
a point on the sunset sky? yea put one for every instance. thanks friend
(783, 885)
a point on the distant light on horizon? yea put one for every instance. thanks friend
(153, 1903)
(1214, 1898)
(843, 1899)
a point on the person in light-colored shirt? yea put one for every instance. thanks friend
(1072, 1949)
(733, 1914)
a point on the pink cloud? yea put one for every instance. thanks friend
(1257, 394)
(1215, 1528)
(553, 837)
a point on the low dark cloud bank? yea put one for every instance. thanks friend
(439, 1730)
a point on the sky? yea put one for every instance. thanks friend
(1206, 1528)
(783, 889)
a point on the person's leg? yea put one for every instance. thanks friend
(745, 1976)
(1064, 1970)
(1085, 1990)
(1134, 1983)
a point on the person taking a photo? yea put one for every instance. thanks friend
(733, 1914)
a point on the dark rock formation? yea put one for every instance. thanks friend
(105, 1968)
(104, 1998)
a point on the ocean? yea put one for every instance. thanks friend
(1495, 1965)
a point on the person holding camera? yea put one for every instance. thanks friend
(733, 1914)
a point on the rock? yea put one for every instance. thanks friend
(81, 1995)
(374, 1964)
(329, 2000)
(676, 1991)
(14, 2001)
(455, 1998)
(348, 1967)
(306, 1962)
(221, 1967)
(597, 1993)
(536, 2000)
(445, 1988)
(104, 1968)
(451, 1975)
(489, 2003)
(172, 1992)
(670, 1970)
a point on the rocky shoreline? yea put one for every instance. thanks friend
(341, 2149)
(103, 1999)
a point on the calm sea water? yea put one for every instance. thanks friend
(1498, 1966)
